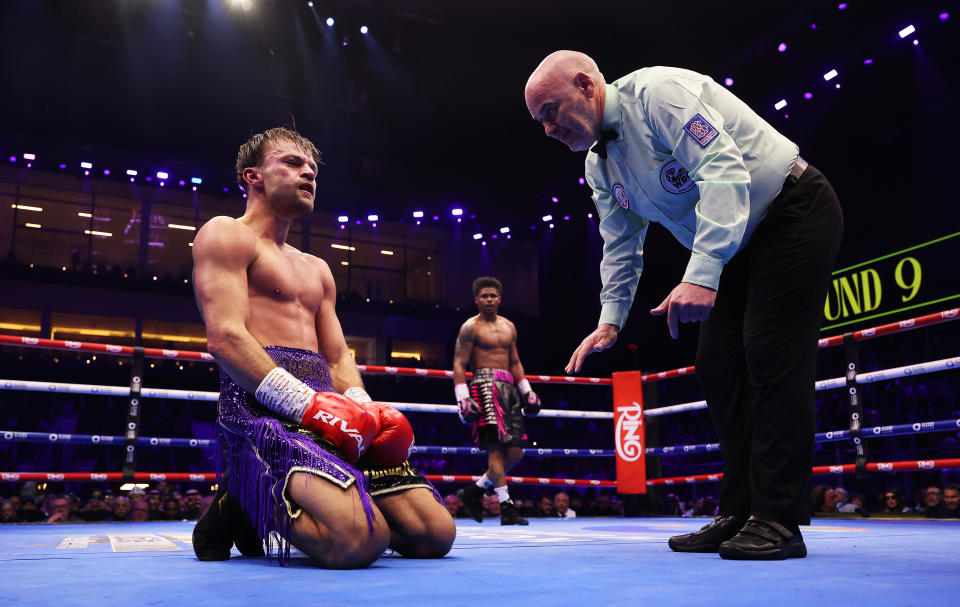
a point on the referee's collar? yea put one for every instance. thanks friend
(611, 111)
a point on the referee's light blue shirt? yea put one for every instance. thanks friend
(689, 155)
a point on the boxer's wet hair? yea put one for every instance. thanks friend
(487, 281)
(251, 152)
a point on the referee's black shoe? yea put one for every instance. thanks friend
(709, 538)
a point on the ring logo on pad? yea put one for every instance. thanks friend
(628, 438)
(621, 195)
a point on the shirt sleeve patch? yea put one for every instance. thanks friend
(701, 130)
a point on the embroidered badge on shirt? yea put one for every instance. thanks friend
(621, 195)
(675, 179)
(701, 130)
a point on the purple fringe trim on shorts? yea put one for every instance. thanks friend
(257, 452)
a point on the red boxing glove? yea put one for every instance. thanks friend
(392, 445)
(338, 419)
(346, 424)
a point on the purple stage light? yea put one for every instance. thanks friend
(181, 183)
(867, 61)
(132, 179)
(472, 216)
(13, 159)
(582, 181)
(62, 166)
(842, 6)
(358, 222)
(418, 222)
(728, 81)
(944, 16)
(459, 219)
(106, 171)
(907, 31)
(837, 85)
(29, 165)
(782, 47)
(533, 227)
(808, 95)
(494, 236)
(509, 236)
(813, 26)
(149, 178)
(87, 173)
(436, 218)
(566, 218)
(554, 199)
(226, 189)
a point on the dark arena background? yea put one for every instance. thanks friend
(119, 130)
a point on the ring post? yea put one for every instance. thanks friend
(629, 432)
(133, 416)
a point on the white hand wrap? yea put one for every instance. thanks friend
(524, 386)
(461, 392)
(358, 394)
(284, 394)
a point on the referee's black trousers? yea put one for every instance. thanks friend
(756, 358)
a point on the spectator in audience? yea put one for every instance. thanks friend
(672, 506)
(491, 506)
(545, 508)
(163, 488)
(576, 502)
(16, 501)
(931, 499)
(823, 499)
(171, 509)
(58, 510)
(95, 510)
(8, 512)
(950, 508)
(840, 494)
(854, 505)
(191, 505)
(205, 503)
(121, 508)
(29, 512)
(561, 505)
(893, 502)
(604, 506)
(453, 505)
(154, 500)
(140, 511)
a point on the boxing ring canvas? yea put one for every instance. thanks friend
(590, 561)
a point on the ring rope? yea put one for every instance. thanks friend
(77, 346)
(837, 340)
(910, 465)
(826, 384)
(915, 428)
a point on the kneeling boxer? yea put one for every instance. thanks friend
(289, 439)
